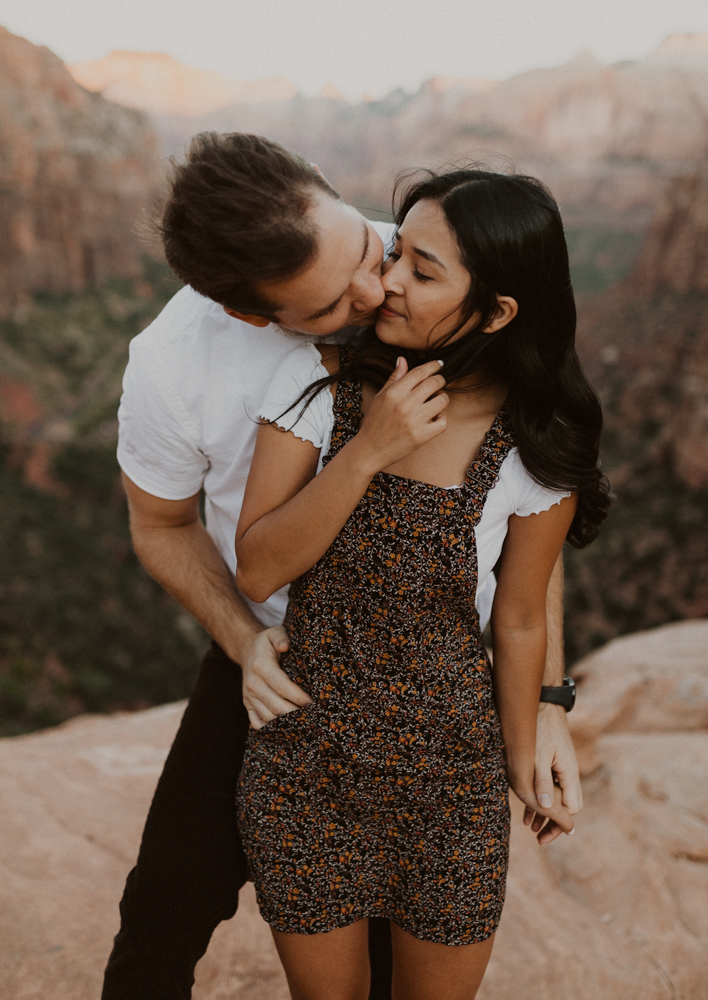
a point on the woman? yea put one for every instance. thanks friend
(388, 796)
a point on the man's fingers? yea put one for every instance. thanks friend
(543, 784)
(571, 790)
(261, 710)
(557, 812)
(278, 682)
(278, 638)
(277, 699)
(549, 833)
(255, 719)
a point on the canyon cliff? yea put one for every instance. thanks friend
(76, 171)
(605, 138)
(645, 347)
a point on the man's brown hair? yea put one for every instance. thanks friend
(236, 215)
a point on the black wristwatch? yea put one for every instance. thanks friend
(564, 696)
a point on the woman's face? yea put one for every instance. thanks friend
(424, 280)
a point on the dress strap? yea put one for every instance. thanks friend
(484, 471)
(347, 405)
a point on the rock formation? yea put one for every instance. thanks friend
(616, 912)
(75, 173)
(155, 82)
(604, 137)
(644, 345)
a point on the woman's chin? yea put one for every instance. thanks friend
(387, 333)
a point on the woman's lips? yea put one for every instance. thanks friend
(389, 313)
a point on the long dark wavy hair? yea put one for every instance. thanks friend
(510, 236)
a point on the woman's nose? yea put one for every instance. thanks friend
(390, 280)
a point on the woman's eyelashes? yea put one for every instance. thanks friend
(418, 275)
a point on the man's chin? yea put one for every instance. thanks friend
(368, 320)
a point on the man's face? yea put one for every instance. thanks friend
(342, 286)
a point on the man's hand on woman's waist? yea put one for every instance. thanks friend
(267, 690)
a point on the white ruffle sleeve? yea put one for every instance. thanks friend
(297, 372)
(529, 497)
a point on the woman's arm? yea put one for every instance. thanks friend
(290, 517)
(530, 552)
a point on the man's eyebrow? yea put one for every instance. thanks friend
(333, 305)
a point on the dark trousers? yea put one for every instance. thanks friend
(191, 864)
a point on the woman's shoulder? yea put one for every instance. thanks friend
(281, 404)
(525, 495)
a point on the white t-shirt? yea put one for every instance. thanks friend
(192, 393)
(515, 492)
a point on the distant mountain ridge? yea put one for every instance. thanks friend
(605, 138)
(157, 83)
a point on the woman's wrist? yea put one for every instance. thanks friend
(521, 766)
(361, 457)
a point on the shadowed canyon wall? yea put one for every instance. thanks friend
(81, 626)
(645, 347)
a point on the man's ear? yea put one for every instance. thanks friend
(248, 318)
(316, 168)
(507, 308)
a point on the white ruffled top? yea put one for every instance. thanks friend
(515, 492)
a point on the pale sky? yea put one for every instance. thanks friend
(359, 46)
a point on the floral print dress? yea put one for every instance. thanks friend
(387, 796)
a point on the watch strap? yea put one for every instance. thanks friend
(564, 695)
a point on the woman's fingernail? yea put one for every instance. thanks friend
(546, 800)
(441, 363)
(571, 832)
(398, 362)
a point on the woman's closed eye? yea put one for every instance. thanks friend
(418, 275)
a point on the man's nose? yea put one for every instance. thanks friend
(369, 293)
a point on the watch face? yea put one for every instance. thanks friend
(569, 683)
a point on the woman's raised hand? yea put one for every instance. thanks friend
(408, 412)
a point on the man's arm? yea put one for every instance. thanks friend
(176, 550)
(555, 754)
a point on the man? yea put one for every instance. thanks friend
(268, 251)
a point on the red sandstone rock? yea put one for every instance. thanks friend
(155, 81)
(75, 173)
(616, 912)
(604, 137)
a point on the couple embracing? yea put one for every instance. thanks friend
(394, 438)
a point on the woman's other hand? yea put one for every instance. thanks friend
(408, 412)
(556, 764)
(558, 816)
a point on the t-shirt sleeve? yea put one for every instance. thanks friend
(296, 374)
(529, 497)
(157, 444)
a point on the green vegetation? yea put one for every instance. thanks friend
(648, 567)
(650, 564)
(82, 627)
(600, 258)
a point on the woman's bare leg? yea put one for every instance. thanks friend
(425, 970)
(331, 966)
